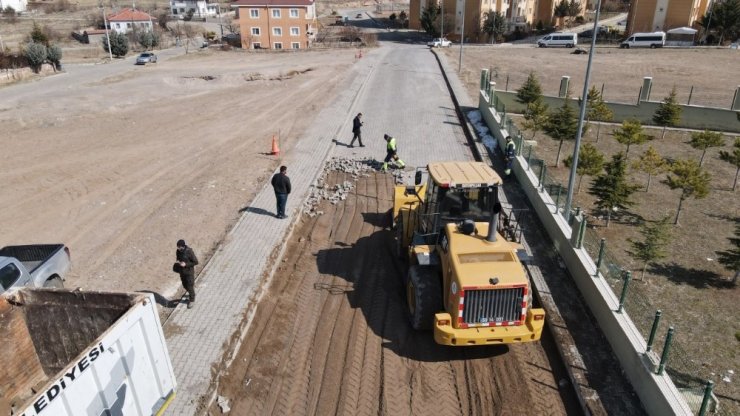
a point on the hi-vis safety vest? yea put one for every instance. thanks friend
(391, 145)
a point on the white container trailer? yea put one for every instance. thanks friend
(74, 353)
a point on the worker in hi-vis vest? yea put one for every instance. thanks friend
(509, 155)
(391, 153)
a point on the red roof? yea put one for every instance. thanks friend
(129, 15)
(274, 3)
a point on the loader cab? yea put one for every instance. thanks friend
(455, 192)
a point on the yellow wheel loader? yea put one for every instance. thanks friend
(465, 280)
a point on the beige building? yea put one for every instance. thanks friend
(276, 24)
(520, 13)
(663, 15)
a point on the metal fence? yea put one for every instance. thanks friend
(686, 373)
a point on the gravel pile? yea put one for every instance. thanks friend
(336, 193)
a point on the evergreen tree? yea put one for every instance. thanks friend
(535, 116)
(730, 258)
(562, 125)
(38, 35)
(724, 19)
(691, 179)
(733, 159)
(35, 53)
(655, 237)
(630, 133)
(494, 25)
(530, 91)
(590, 163)
(651, 163)
(611, 189)
(118, 44)
(428, 20)
(561, 10)
(597, 110)
(704, 140)
(668, 113)
(148, 39)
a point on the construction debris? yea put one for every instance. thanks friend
(223, 403)
(336, 193)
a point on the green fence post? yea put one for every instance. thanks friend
(707, 395)
(529, 156)
(542, 176)
(602, 245)
(656, 321)
(666, 348)
(581, 233)
(557, 199)
(623, 297)
(519, 144)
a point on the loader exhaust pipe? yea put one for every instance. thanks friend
(493, 223)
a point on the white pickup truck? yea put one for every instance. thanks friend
(37, 265)
(75, 353)
(439, 43)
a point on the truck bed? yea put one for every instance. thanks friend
(32, 256)
(48, 333)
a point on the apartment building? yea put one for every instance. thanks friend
(276, 24)
(663, 15)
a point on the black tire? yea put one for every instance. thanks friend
(570, 45)
(653, 46)
(55, 282)
(423, 296)
(626, 46)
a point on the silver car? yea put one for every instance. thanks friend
(146, 58)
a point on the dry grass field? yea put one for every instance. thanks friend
(693, 291)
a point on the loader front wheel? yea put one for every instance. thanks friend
(423, 296)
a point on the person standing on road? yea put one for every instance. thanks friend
(185, 266)
(391, 153)
(356, 130)
(281, 185)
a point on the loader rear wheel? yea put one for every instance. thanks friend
(423, 296)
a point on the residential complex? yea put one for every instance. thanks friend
(522, 14)
(276, 24)
(663, 15)
(200, 8)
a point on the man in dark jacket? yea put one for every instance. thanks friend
(281, 185)
(356, 129)
(186, 261)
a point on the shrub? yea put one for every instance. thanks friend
(148, 39)
(118, 44)
(38, 35)
(36, 55)
(54, 55)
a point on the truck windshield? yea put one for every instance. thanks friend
(470, 203)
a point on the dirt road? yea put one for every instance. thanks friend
(119, 163)
(331, 336)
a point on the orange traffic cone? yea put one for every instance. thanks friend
(275, 148)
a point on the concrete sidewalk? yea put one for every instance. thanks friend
(233, 277)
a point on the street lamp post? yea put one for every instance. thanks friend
(107, 35)
(462, 38)
(581, 116)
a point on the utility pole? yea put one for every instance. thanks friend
(105, 23)
(581, 116)
(462, 38)
(220, 23)
(442, 29)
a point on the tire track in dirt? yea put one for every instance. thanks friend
(352, 352)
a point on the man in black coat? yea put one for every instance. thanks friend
(357, 130)
(186, 262)
(281, 185)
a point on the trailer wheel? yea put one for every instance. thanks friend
(55, 283)
(423, 296)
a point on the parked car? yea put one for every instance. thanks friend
(569, 40)
(602, 31)
(646, 40)
(359, 16)
(146, 58)
(439, 43)
(38, 265)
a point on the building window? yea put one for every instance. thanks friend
(254, 13)
(278, 45)
(118, 25)
(293, 13)
(294, 31)
(256, 45)
(255, 31)
(295, 45)
(277, 31)
(276, 13)
(128, 25)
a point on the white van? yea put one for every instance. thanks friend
(645, 40)
(569, 40)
